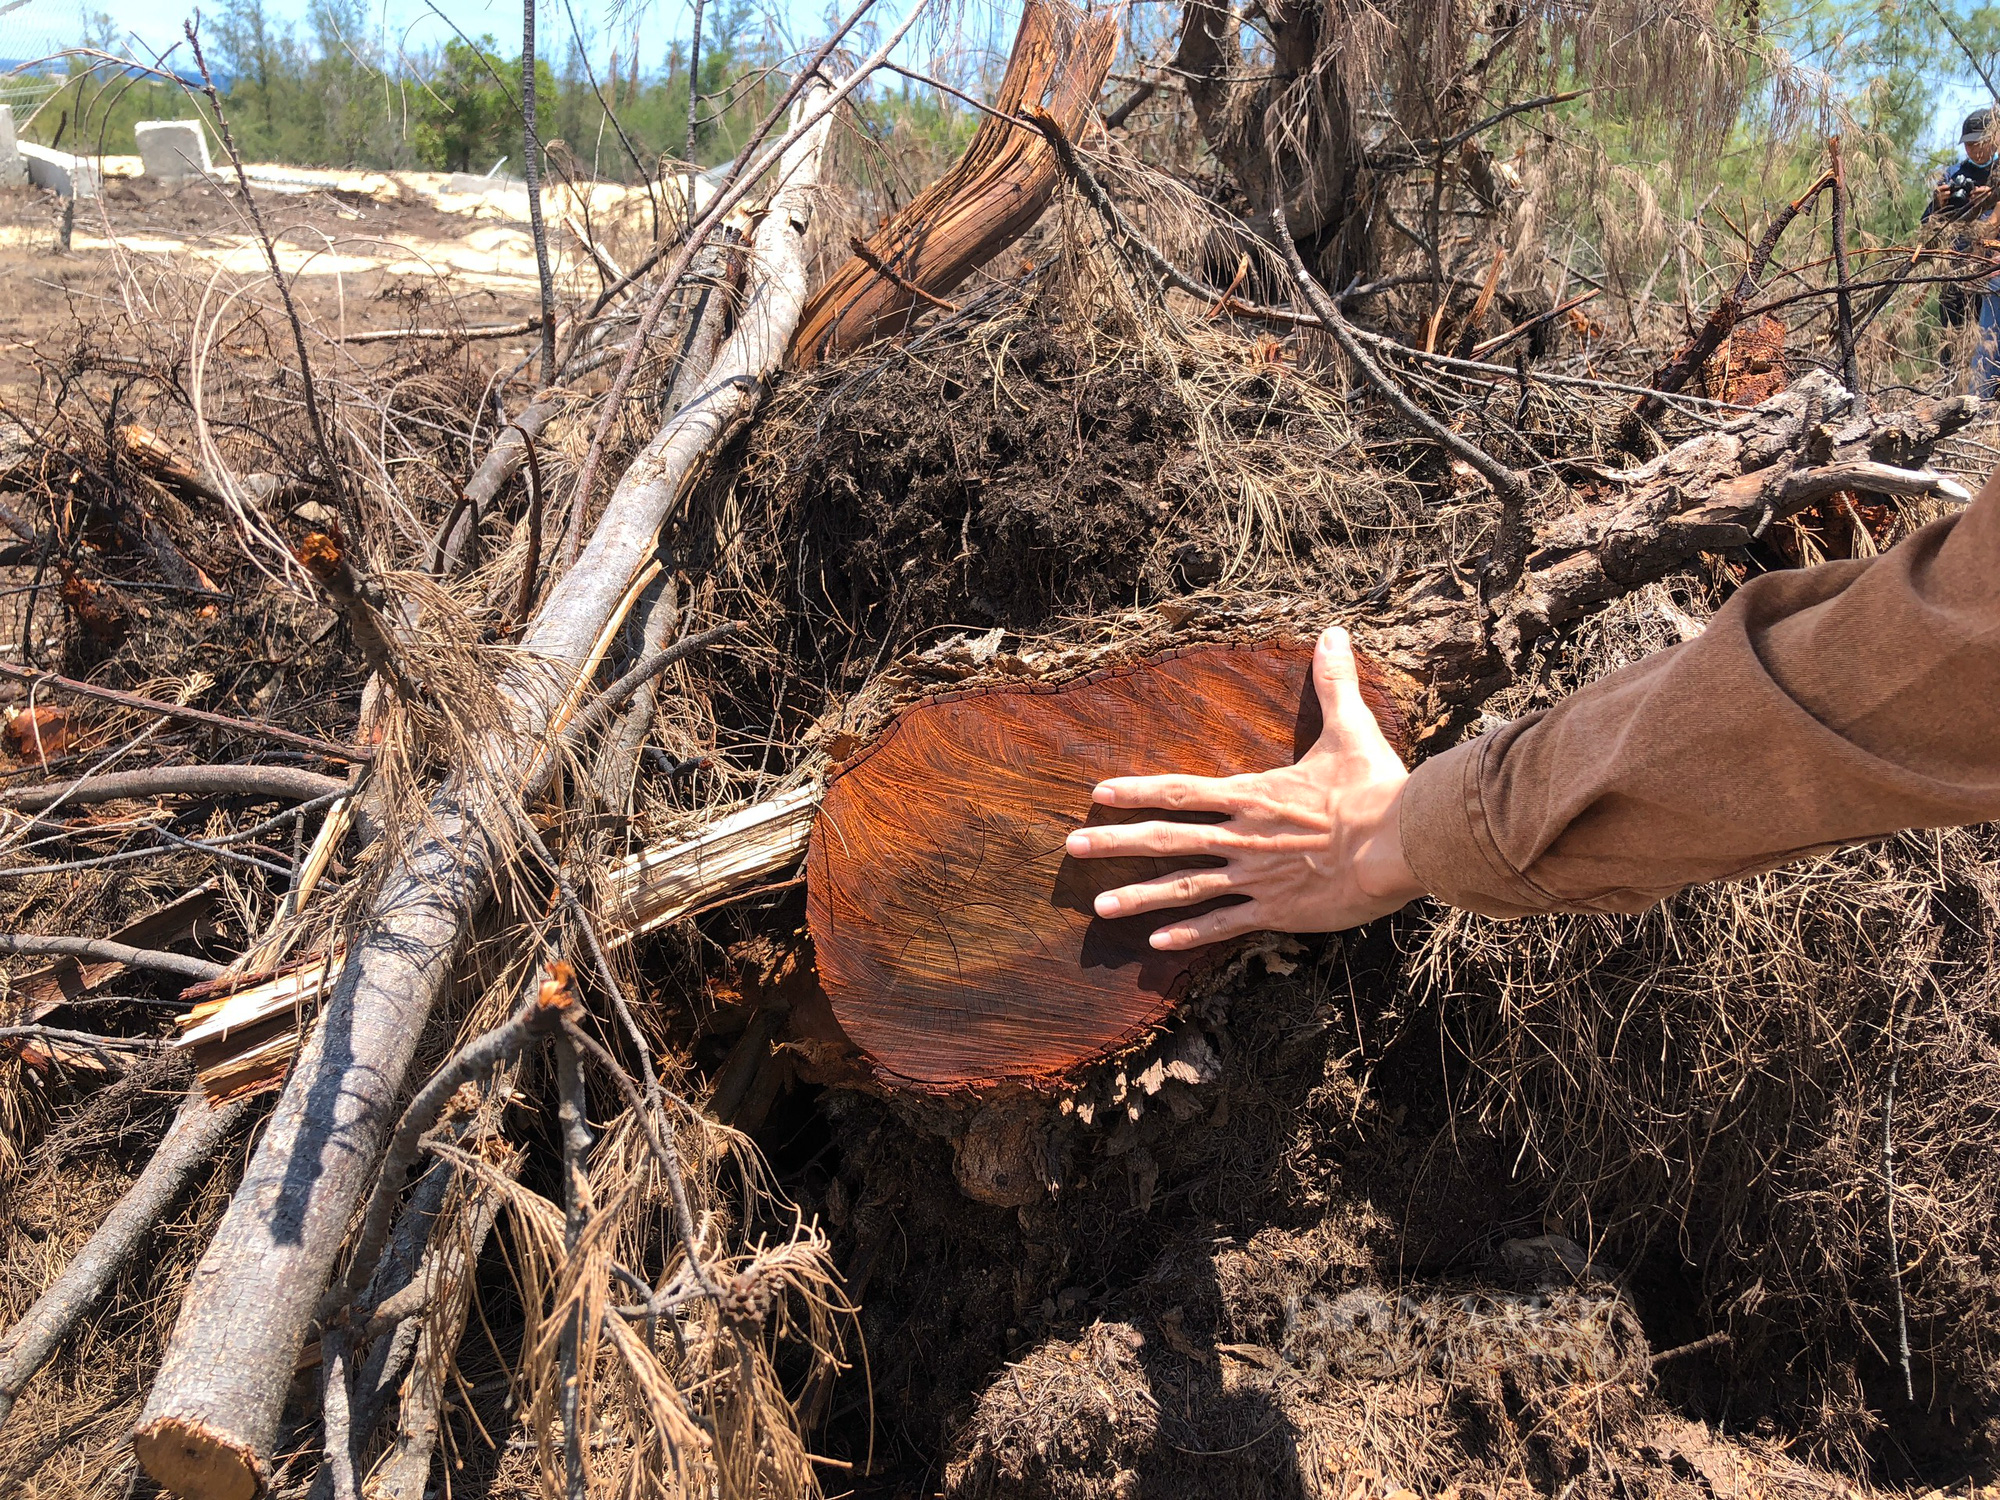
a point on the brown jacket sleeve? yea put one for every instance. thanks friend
(1820, 707)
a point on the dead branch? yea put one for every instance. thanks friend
(888, 272)
(213, 1413)
(531, 565)
(267, 783)
(1677, 371)
(326, 748)
(481, 331)
(192, 1141)
(572, 1104)
(104, 951)
(743, 176)
(404, 1472)
(618, 756)
(1511, 488)
(360, 605)
(730, 855)
(537, 1018)
(616, 696)
(502, 462)
(1220, 298)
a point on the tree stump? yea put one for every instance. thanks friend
(955, 938)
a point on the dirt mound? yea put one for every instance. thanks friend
(1366, 1394)
(993, 495)
(1038, 472)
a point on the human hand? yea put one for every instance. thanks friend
(1314, 847)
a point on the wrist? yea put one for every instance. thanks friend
(1381, 872)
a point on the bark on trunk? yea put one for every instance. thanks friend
(210, 1421)
(1324, 163)
(191, 1143)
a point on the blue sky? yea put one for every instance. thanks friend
(35, 28)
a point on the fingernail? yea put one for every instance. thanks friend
(1160, 939)
(1101, 792)
(1106, 904)
(1333, 635)
(1077, 843)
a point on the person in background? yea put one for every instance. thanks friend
(1960, 197)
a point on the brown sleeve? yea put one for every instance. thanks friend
(1820, 707)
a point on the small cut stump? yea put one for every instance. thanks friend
(954, 938)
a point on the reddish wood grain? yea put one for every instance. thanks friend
(955, 938)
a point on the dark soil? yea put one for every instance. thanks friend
(946, 493)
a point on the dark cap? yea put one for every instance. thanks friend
(1977, 126)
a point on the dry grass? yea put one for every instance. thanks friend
(1709, 1085)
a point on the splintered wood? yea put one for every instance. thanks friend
(244, 1032)
(955, 938)
(990, 198)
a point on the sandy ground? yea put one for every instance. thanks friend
(363, 250)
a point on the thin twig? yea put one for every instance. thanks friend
(532, 171)
(1889, 1203)
(1506, 554)
(531, 565)
(889, 273)
(89, 1040)
(314, 417)
(693, 116)
(1843, 301)
(661, 1142)
(614, 697)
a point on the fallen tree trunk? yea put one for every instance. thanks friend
(191, 1143)
(212, 1416)
(954, 937)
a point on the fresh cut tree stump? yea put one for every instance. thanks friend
(954, 937)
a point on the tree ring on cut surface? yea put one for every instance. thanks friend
(955, 938)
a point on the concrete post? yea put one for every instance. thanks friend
(173, 150)
(13, 171)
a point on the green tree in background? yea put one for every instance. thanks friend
(468, 120)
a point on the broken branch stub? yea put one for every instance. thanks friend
(212, 1417)
(989, 198)
(956, 941)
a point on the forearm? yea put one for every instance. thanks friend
(1820, 707)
